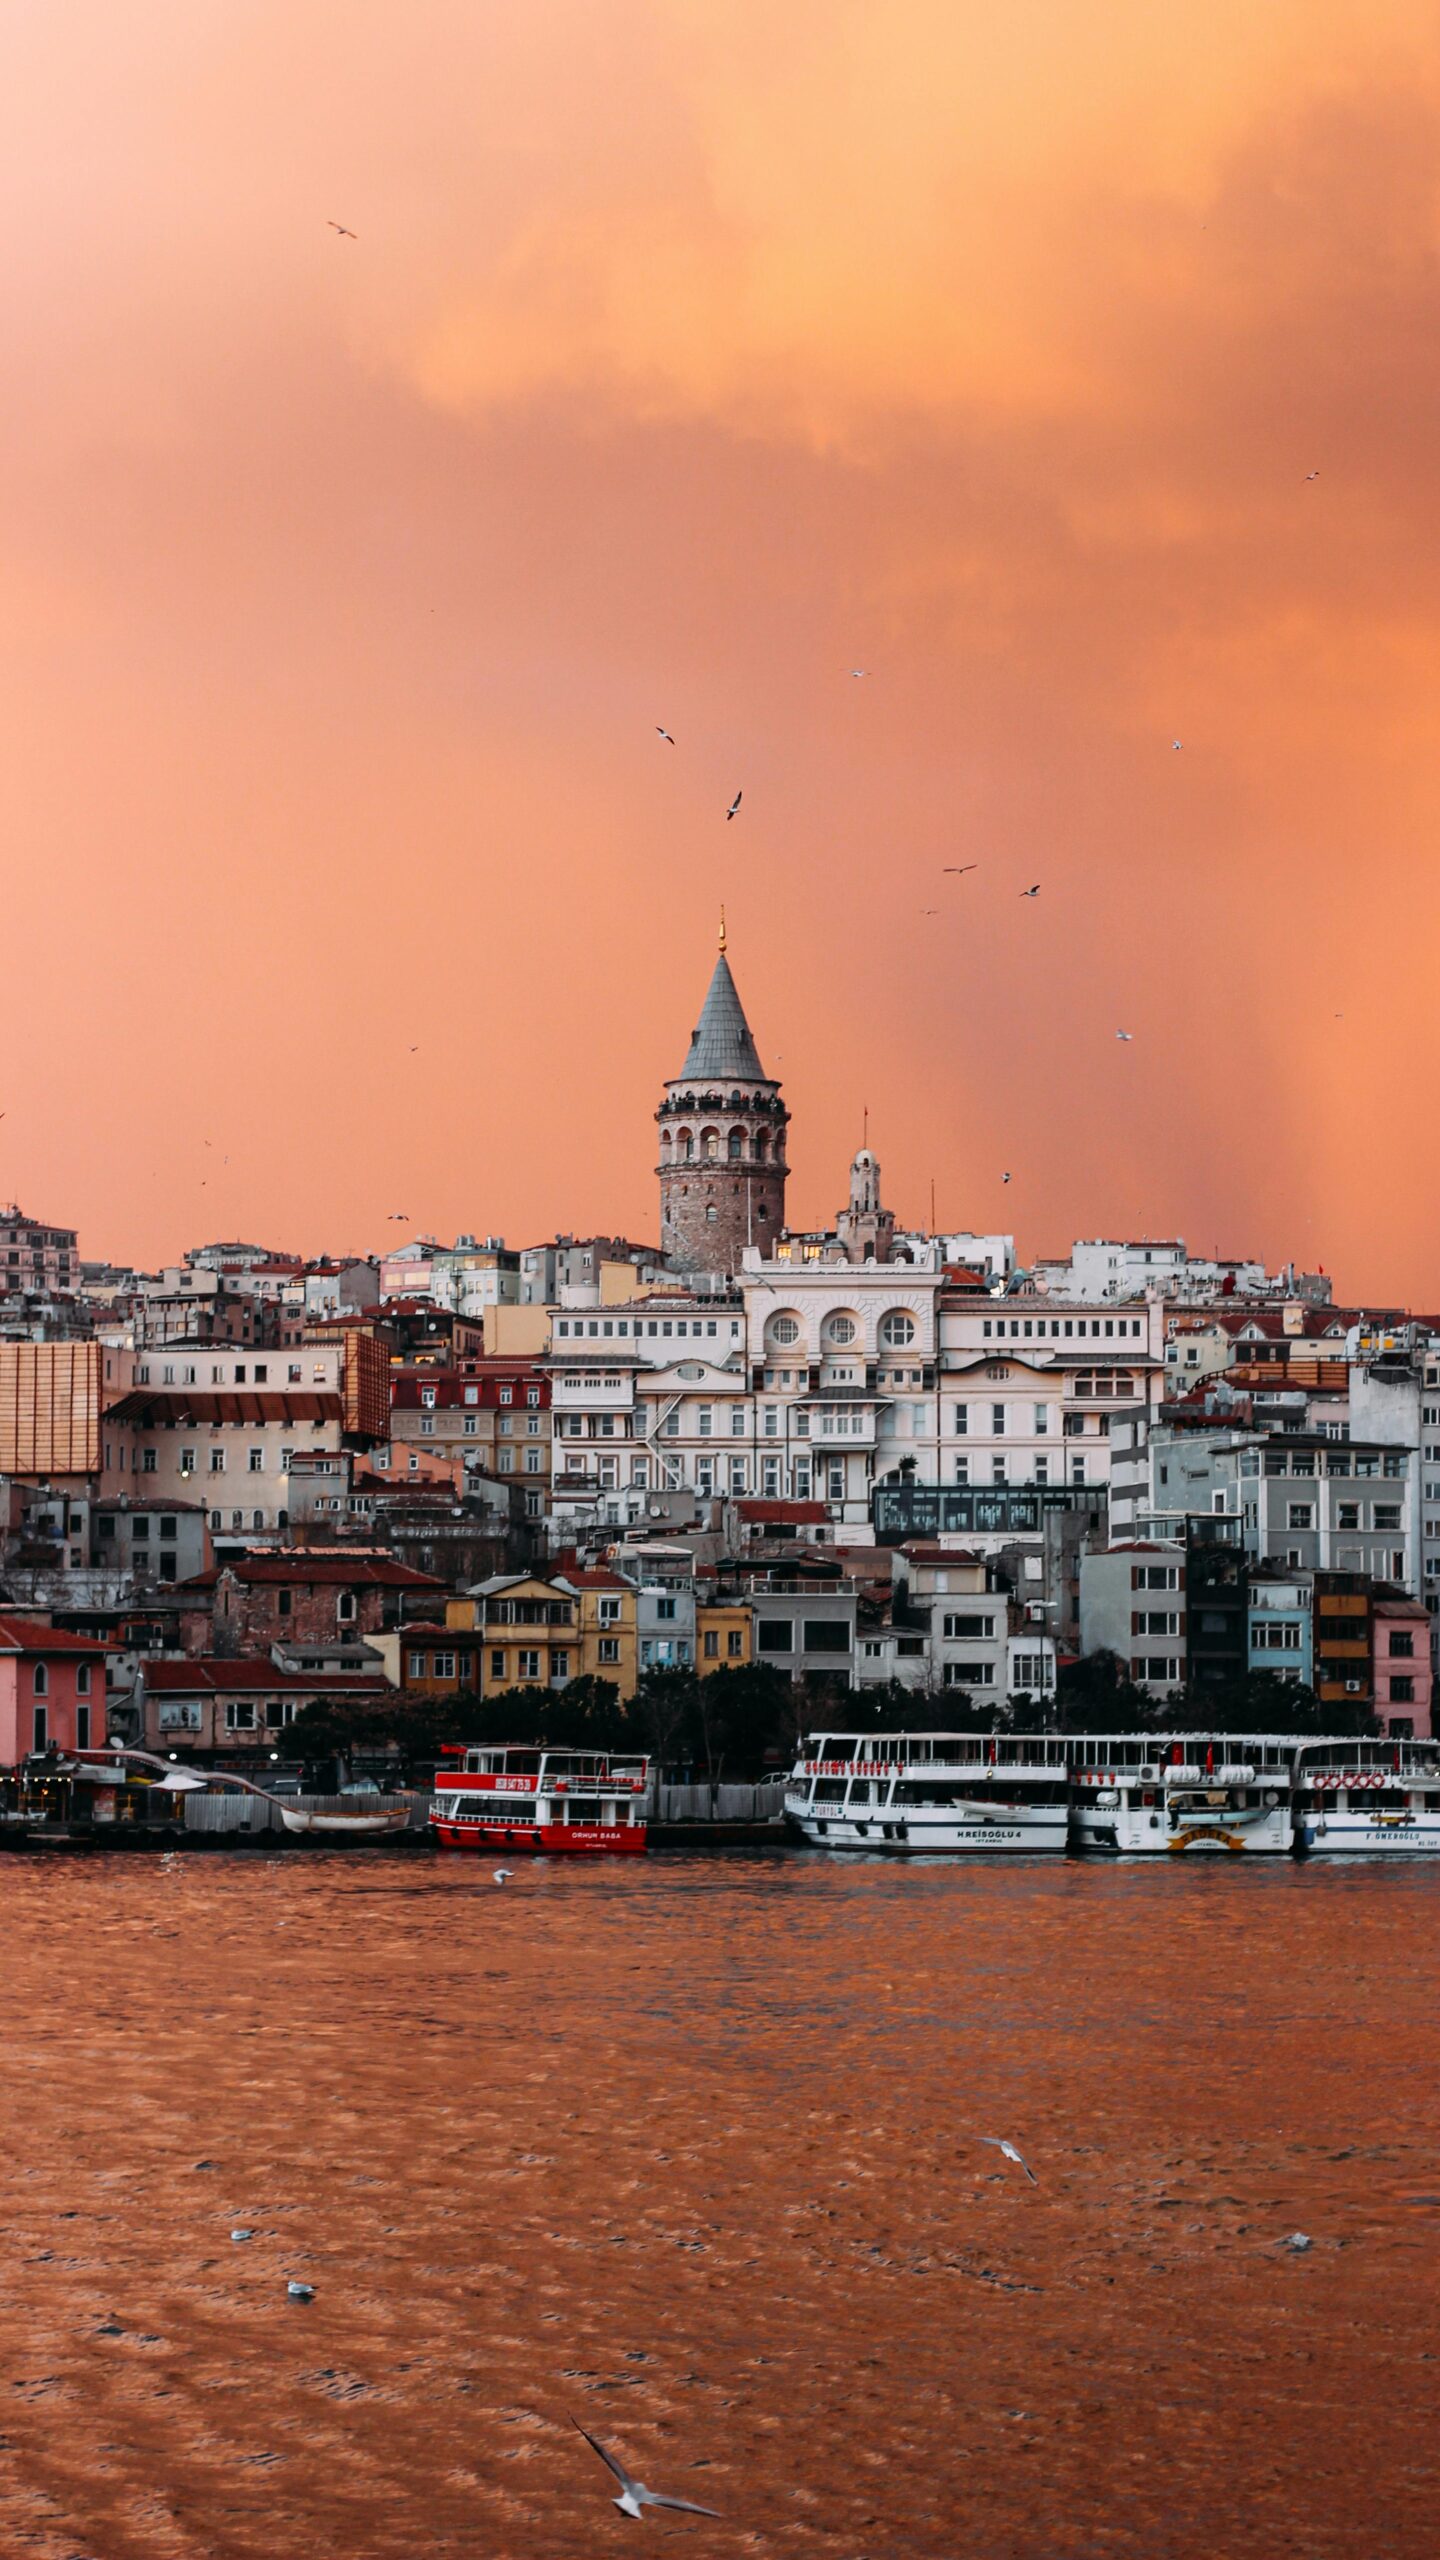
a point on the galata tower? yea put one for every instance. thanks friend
(722, 1141)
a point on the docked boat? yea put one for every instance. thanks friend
(919, 1794)
(1137, 1794)
(559, 1803)
(1364, 1798)
(360, 1825)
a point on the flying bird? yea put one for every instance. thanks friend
(1312, 475)
(1124, 1035)
(956, 869)
(634, 2497)
(665, 734)
(414, 1048)
(1004, 1178)
(729, 814)
(1177, 744)
(929, 911)
(503, 1874)
(1031, 893)
(344, 234)
(1009, 2151)
(859, 671)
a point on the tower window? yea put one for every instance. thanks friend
(737, 1145)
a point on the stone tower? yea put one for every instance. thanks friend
(866, 1229)
(722, 1141)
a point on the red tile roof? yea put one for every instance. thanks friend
(796, 1514)
(296, 1566)
(26, 1635)
(216, 1674)
(265, 1404)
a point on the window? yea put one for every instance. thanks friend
(497, 1666)
(969, 1675)
(82, 1672)
(784, 1330)
(962, 1470)
(962, 1421)
(1402, 1643)
(897, 1331)
(148, 1462)
(841, 1330)
(1402, 1689)
(826, 1635)
(240, 1716)
(346, 1609)
(997, 1420)
(1030, 1671)
(737, 1422)
(1301, 1515)
(1042, 1419)
(1347, 1515)
(532, 1462)
(735, 1643)
(712, 1644)
(256, 1460)
(968, 1623)
(282, 1604)
(774, 1635)
(1387, 1515)
(1279, 1635)
(706, 1422)
(527, 1663)
(40, 1679)
(609, 1649)
(665, 1608)
(40, 1730)
(416, 1669)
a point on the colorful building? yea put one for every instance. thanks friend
(724, 1634)
(606, 1608)
(530, 1628)
(1401, 1667)
(52, 1690)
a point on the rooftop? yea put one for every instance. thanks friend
(722, 1045)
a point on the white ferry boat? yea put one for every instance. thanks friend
(916, 1794)
(1354, 1798)
(1136, 1794)
(558, 1803)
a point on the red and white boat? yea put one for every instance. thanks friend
(556, 1803)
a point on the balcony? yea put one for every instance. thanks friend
(582, 1395)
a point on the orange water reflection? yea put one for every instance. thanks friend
(687, 2151)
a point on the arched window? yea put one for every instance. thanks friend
(664, 1142)
(783, 1331)
(737, 1145)
(710, 1144)
(897, 1331)
(760, 1145)
(686, 1145)
(841, 1330)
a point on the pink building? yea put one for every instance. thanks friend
(1403, 1678)
(52, 1689)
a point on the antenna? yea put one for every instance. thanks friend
(865, 1125)
(932, 1204)
(722, 928)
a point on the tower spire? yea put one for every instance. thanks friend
(722, 928)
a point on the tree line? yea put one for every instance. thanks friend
(747, 1721)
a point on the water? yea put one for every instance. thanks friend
(687, 2151)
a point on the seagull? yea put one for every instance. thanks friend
(1031, 893)
(503, 1874)
(929, 911)
(958, 868)
(414, 1048)
(635, 2497)
(729, 814)
(1004, 1178)
(1008, 2148)
(1312, 475)
(1124, 1035)
(665, 734)
(344, 234)
(399, 1218)
(859, 671)
(1177, 744)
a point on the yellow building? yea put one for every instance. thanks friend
(723, 1635)
(430, 1661)
(529, 1629)
(607, 1613)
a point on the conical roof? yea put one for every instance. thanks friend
(722, 1047)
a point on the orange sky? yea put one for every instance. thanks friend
(690, 353)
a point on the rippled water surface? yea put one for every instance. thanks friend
(687, 2151)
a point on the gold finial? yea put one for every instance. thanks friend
(722, 928)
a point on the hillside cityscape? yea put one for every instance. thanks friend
(258, 1507)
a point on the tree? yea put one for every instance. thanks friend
(1094, 1695)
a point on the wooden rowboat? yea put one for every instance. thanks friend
(372, 1825)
